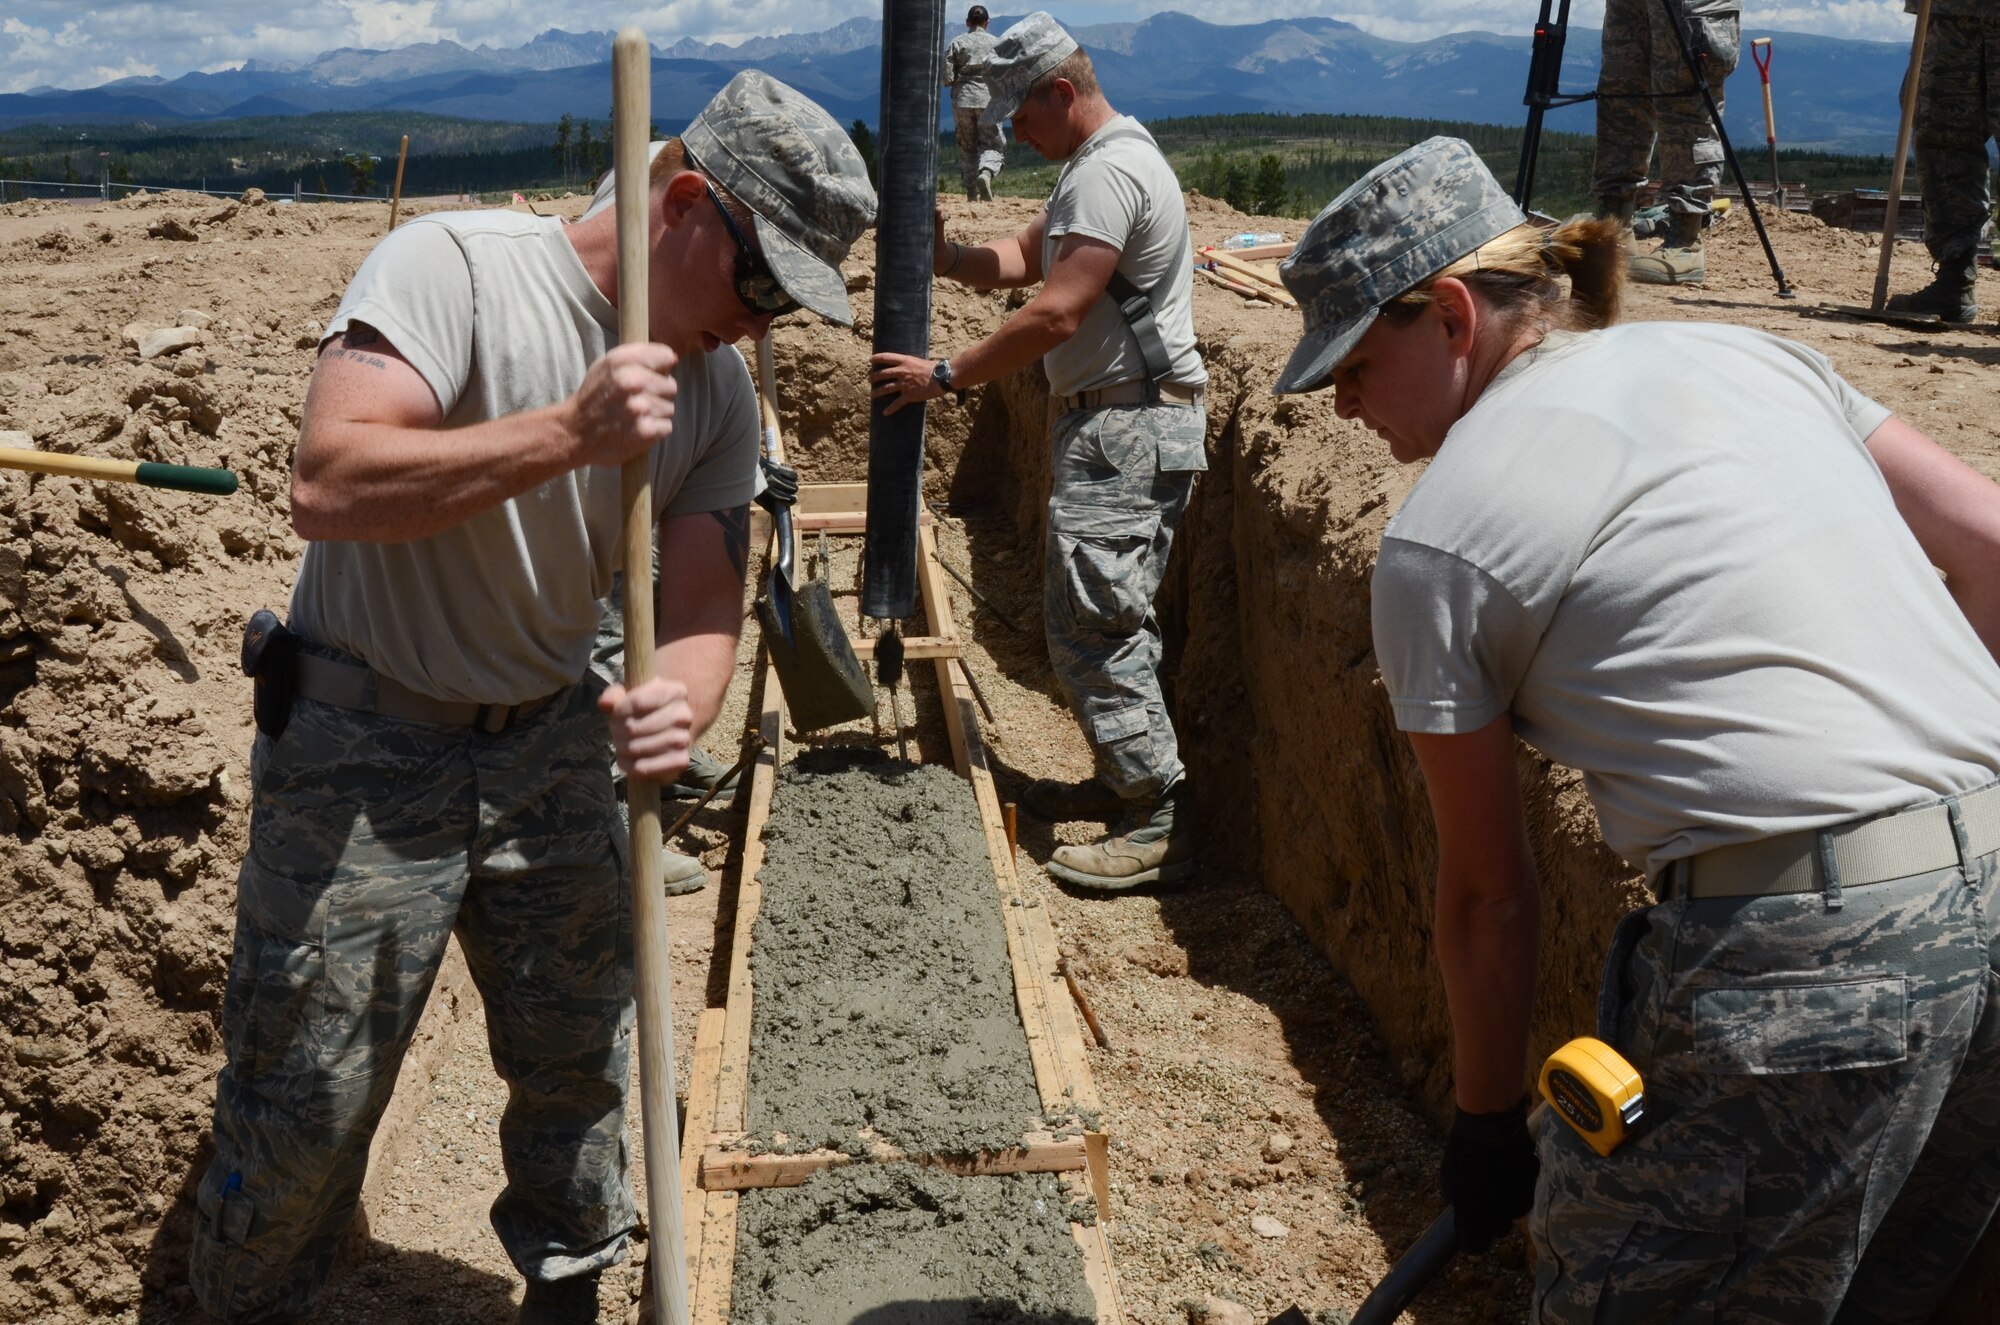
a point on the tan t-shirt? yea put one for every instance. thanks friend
(1118, 188)
(498, 315)
(1666, 550)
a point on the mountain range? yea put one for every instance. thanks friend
(1829, 93)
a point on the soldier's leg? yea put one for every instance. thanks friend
(965, 123)
(1953, 123)
(347, 894)
(546, 931)
(1794, 1058)
(1625, 119)
(1691, 158)
(1953, 1191)
(1114, 507)
(992, 154)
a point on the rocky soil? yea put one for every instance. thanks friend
(1276, 1029)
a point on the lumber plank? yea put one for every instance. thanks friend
(914, 647)
(714, 1280)
(733, 1072)
(1254, 253)
(700, 1119)
(1098, 1272)
(1256, 275)
(724, 1168)
(830, 498)
(841, 522)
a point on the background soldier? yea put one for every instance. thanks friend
(1645, 94)
(1127, 436)
(443, 767)
(1958, 110)
(980, 145)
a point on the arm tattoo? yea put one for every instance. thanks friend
(735, 536)
(352, 344)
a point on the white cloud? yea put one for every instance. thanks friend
(56, 42)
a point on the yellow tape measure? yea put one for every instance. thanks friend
(1595, 1090)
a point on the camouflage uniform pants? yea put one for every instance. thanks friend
(1122, 477)
(373, 840)
(1645, 94)
(1958, 109)
(980, 146)
(1822, 1131)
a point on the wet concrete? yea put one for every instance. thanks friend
(884, 994)
(893, 1244)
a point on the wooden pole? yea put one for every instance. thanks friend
(631, 96)
(1894, 202)
(396, 202)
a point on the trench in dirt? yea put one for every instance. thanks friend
(1244, 1079)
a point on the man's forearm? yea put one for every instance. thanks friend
(382, 483)
(1487, 945)
(1020, 341)
(704, 663)
(996, 266)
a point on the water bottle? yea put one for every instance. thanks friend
(1252, 239)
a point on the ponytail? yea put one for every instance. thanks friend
(1568, 278)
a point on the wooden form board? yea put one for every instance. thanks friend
(1055, 1039)
(725, 1167)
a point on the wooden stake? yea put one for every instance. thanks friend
(396, 201)
(1894, 202)
(1013, 839)
(631, 98)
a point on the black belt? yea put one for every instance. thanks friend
(352, 686)
(1894, 846)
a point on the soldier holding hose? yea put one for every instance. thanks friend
(1113, 326)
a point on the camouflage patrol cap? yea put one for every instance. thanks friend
(796, 169)
(1024, 54)
(1408, 218)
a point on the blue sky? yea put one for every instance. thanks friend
(65, 43)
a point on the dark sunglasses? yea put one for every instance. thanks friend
(756, 287)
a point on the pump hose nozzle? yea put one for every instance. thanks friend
(889, 659)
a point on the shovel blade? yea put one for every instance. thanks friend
(824, 682)
(778, 593)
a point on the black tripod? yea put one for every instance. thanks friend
(1544, 93)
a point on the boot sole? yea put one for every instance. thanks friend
(1104, 883)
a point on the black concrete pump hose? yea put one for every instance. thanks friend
(906, 150)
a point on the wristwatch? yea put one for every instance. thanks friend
(941, 378)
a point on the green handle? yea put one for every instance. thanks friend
(187, 478)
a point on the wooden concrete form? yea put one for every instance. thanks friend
(1055, 1041)
(725, 1166)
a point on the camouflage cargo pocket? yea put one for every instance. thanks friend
(1103, 555)
(272, 1001)
(1633, 1237)
(1801, 1022)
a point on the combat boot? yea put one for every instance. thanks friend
(681, 875)
(571, 1301)
(1059, 802)
(983, 186)
(704, 771)
(1159, 849)
(1949, 295)
(1677, 261)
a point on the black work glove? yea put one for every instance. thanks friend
(781, 485)
(1489, 1173)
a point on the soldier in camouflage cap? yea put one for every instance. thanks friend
(1718, 606)
(1113, 324)
(1025, 54)
(1410, 216)
(432, 758)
